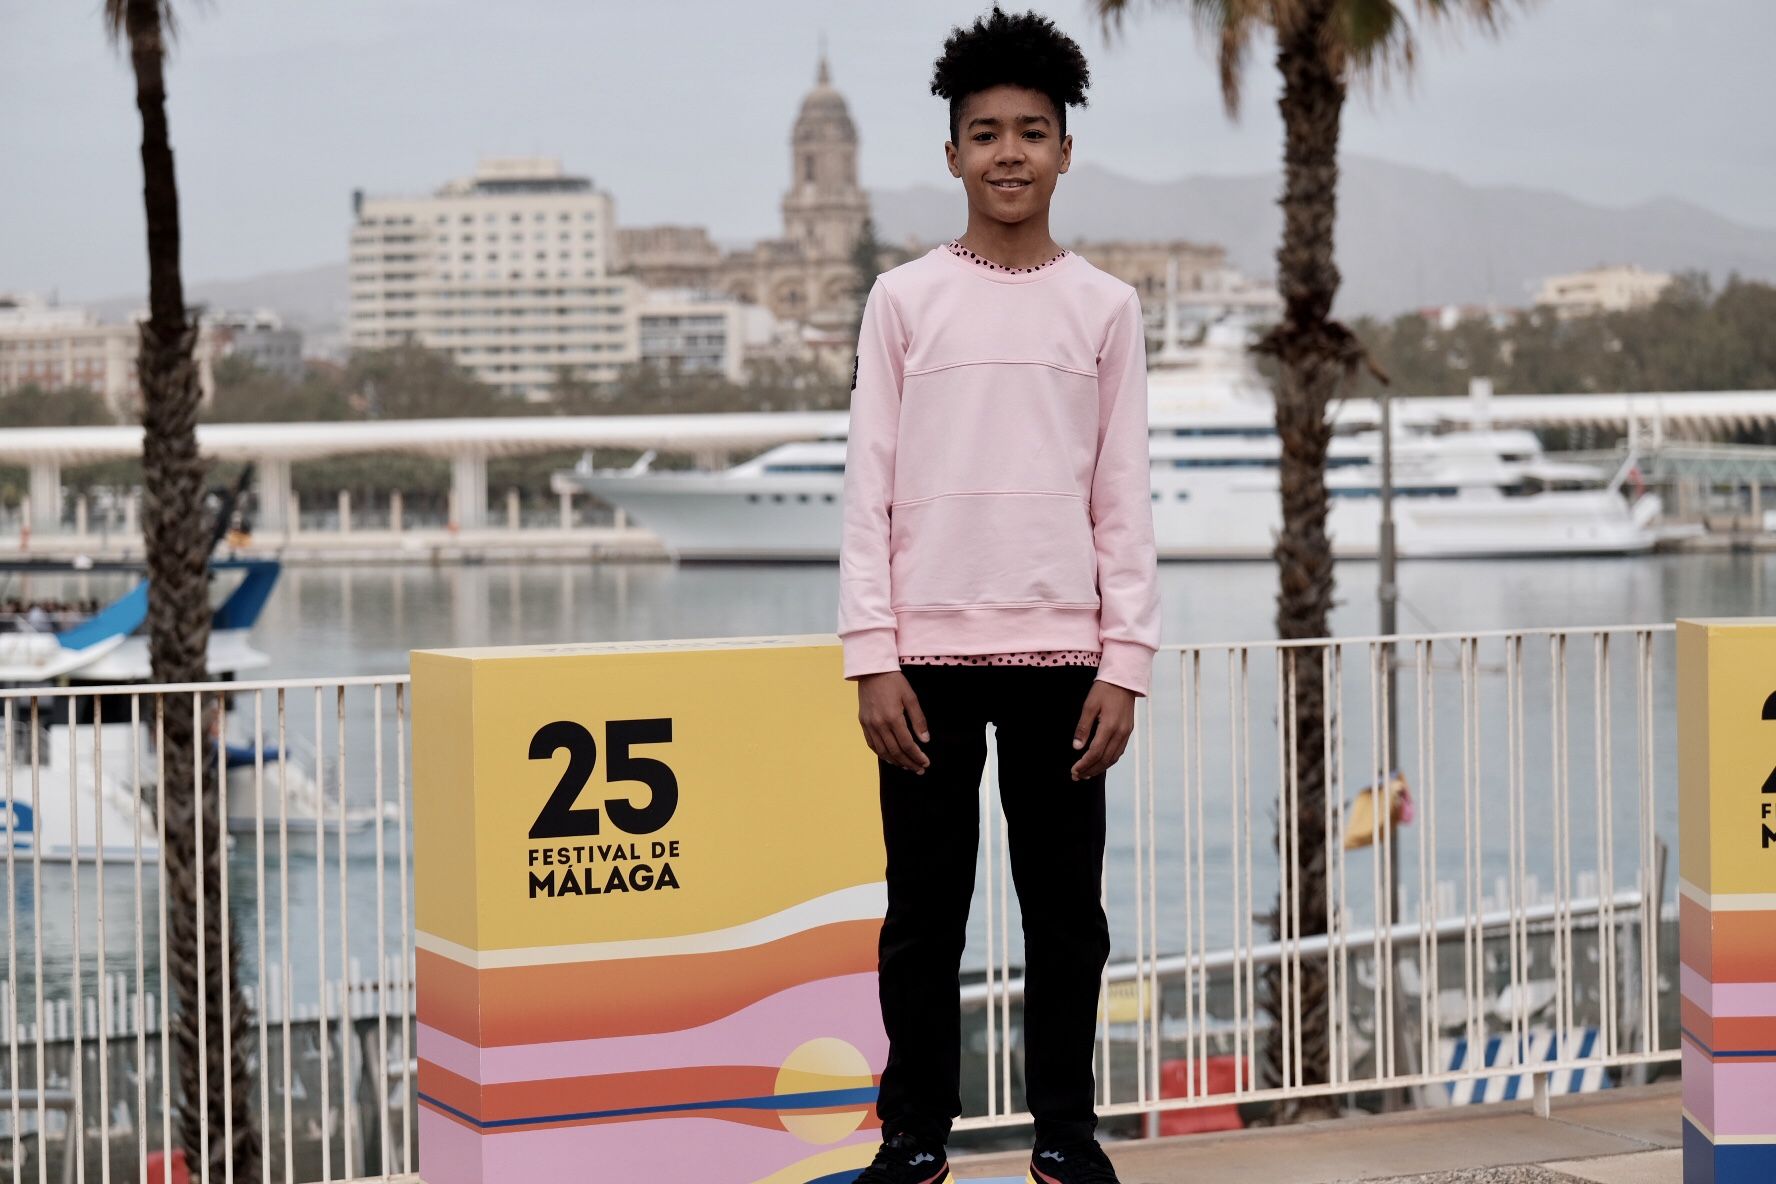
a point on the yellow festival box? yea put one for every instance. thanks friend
(649, 885)
(1726, 716)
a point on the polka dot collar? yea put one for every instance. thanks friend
(961, 252)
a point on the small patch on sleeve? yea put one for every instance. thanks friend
(855, 359)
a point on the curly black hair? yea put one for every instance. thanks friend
(999, 50)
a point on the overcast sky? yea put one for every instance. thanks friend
(681, 108)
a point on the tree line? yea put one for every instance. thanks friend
(1695, 337)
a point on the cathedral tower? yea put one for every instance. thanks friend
(825, 207)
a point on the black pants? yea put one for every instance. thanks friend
(931, 827)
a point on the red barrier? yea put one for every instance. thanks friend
(157, 1168)
(1175, 1082)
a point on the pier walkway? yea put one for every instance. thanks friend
(1627, 1136)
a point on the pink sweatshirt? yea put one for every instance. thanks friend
(997, 487)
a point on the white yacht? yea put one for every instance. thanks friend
(1459, 493)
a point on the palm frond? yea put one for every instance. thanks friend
(119, 18)
(1377, 40)
(1487, 14)
(1372, 40)
(1229, 24)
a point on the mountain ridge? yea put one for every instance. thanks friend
(1408, 237)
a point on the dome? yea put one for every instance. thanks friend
(824, 117)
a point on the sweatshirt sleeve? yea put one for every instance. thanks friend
(1122, 508)
(866, 622)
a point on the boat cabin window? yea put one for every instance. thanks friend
(1399, 491)
(1224, 462)
(1256, 433)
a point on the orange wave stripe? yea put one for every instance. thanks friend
(1690, 1015)
(1732, 1033)
(618, 1091)
(1727, 946)
(763, 1119)
(630, 997)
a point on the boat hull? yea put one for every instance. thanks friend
(708, 517)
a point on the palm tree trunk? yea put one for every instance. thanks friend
(1315, 353)
(177, 546)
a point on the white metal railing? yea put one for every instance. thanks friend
(316, 887)
(1516, 918)
(1521, 906)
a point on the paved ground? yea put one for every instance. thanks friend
(1619, 1137)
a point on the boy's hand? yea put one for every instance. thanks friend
(1113, 709)
(885, 705)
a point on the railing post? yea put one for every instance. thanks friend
(1543, 1106)
(1726, 761)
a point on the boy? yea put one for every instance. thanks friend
(997, 566)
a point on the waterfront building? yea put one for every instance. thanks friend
(806, 275)
(670, 257)
(51, 347)
(259, 337)
(698, 332)
(1602, 289)
(54, 346)
(507, 271)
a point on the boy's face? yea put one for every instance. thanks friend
(1011, 152)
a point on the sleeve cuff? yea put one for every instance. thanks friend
(872, 651)
(1128, 664)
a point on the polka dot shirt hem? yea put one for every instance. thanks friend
(1022, 658)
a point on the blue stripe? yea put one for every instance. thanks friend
(1725, 1163)
(815, 1100)
(1713, 1055)
(122, 616)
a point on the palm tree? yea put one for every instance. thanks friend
(177, 543)
(1322, 47)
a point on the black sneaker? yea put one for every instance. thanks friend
(904, 1160)
(1071, 1163)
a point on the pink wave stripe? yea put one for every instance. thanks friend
(450, 1152)
(1692, 986)
(666, 1149)
(763, 1033)
(1731, 1100)
(1727, 1000)
(1698, 1084)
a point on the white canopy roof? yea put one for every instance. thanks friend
(433, 437)
(518, 436)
